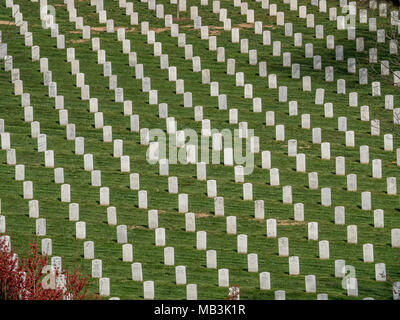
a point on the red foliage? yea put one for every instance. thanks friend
(10, 280)
(28, 279)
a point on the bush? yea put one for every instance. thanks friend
(32, 279)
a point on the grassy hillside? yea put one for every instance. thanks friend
(62, 231)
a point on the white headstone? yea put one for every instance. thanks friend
(80, 230)
(352, 234)
(211, 259)
(294, 265)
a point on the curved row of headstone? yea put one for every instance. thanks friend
(340, 165)
(104, 284)
(296, 69)
(160, 232)
(65, 197)
(28, 194)
(153, 214)
(353, 96)
(350, 138)
(160, 235)
(349, 134)
(314, 139)
(342, 123)
(201, 236)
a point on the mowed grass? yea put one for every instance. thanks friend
(62, 232)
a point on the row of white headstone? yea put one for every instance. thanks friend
(328, 67)
(59, 178)
(81, 228)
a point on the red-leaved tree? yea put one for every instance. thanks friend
(28, 279)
